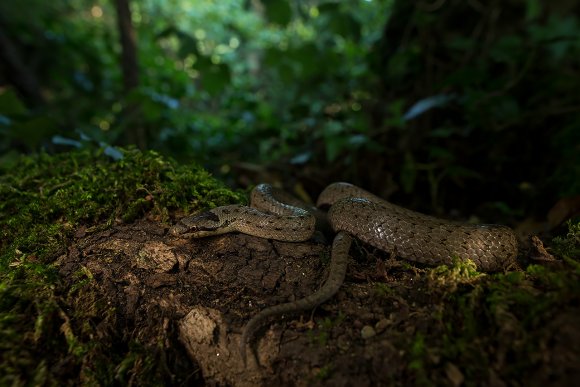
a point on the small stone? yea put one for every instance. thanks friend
(382, 325)
(367, 332)
(343, 343)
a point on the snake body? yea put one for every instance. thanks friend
(358, 213)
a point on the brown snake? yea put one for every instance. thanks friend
(358, 213)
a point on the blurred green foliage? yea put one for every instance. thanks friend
(448, 98)
(214, 74)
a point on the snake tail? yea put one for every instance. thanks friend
(337, 272)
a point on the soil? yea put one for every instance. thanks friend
(197, 295)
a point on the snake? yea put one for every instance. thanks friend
(352, 213)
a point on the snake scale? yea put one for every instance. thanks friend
(360, 214)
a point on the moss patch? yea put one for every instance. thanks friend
(504, 326)
(49, 332)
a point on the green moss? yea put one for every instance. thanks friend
(383, 290)
(418, 355)
(47, 197)
(568, 247)
(325, 326)
(460, 270)
(449, 278)
(417, 352)
(323, 373)
(45, 200)
(506, 314)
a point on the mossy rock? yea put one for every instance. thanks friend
(46, 201)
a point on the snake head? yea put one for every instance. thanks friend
(205, 224)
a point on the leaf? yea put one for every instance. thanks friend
(334, 139)
(33, 131)
(215, 78)
(357, 140)
(507, 48)
(308, 57)
(426, 104)
(332, 128)
(277, 60)
(5, 121)
(400, 64)
(505, 109)
(395, 113)
(112, 152)
(460, 43)
(559, 35)
(533, 9)
(187, 42)
(163, 99)
(60, 140)
(440, 153)
(278, 11)
(301, 158)
(334, 146)
(10, 104)
(340, 22)
(442, 132)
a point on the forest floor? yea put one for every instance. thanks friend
(95, 291)
(391, 323)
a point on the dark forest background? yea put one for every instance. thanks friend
(438, 105)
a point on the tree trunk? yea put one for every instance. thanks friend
(135, 132)
(17, 72)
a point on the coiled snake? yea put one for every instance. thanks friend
(358, 213)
